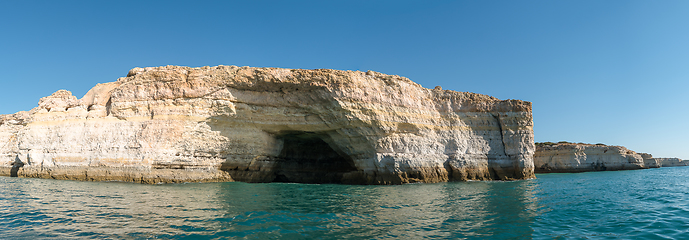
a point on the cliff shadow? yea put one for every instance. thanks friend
(293, 157)
(310, 157)
(15, 167)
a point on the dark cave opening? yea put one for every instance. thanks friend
(306, 157)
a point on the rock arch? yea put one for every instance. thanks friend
(228, 123)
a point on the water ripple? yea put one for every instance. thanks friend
(647, 204)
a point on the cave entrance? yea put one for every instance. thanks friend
(306, 157)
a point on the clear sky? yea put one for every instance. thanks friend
(613, 72)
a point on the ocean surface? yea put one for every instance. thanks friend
(641, 204)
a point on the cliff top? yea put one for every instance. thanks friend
(252, 75)
(369, 84)
(14, 119)
(179, 82)
(563, 145)
(568, 143)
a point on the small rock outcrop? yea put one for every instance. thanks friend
(649, 161)
(579, 157)
(227, 123)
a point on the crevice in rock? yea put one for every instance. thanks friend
(307, 157)
(15, 167)
(108, 106)
(502, 134)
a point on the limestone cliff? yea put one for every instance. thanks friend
(225, 123)
(649, 161)
(579, 157)
(671, 162)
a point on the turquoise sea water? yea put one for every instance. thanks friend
(642, 204)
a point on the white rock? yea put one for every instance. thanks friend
(172, 124)
(573, 157)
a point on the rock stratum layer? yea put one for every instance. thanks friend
(649, 161)
(227, 123)
(671, 162)
(578, 157)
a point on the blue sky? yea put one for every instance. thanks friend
(613, 72)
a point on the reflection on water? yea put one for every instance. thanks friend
(644, 204)
(499, 209)
(70, 209)
(63, 209)
(452, 210)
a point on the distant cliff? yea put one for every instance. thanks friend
(649, 161)
(671, 162)
(227, 123)
(579, 157)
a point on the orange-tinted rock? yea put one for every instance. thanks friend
(270, 124)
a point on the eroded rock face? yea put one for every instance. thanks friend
(577, 157)
(224, 123)
(9, 146)
(649, 161)
(671, 162)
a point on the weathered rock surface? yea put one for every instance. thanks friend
(671, 162)
(225, 123)
(578, 157)
(649, 161)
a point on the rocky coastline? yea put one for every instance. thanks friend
(227, 123)
(671, 162)
(565, 157)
